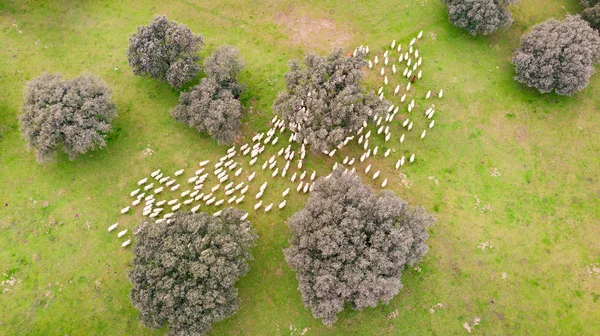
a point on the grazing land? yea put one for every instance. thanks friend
(512, 175)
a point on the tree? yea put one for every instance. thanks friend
(558, 56)
(73, 115)
(349, 245)
(165, 50)
(213, 106)
(223, 65)
(209, 108)
(324, 103)
(481, 17)
(589, 3)
(183, 272)
(592, 16)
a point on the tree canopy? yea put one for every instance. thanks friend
(324, 102)
(350, 245)
(165, 50)
(479, 17)
(224, 65)
(74, 115)
(558, 56)
(184, 271)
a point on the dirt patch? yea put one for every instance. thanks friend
(521, 134)
(313, 33)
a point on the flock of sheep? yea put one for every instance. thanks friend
(233, 179)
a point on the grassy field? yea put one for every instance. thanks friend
(503, 165)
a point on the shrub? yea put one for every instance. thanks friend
(165, 50)
(223, 65)
(73, 115)
(349, 245)
(558, 56)
(479, 17)
(324, 103)
(183, 272)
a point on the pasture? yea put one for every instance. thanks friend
(504, 166)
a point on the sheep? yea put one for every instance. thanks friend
(268, 207)
(112, 227)
(293, 179)
(431, 124)
(253, 161)
(146, 212)
(303, 175)
(160, 203)
(387, 152)
(199, 197)
(408, 86)
(142, 181)
(379, 130)
(239, 186)
(282, 204)
(219, 202)
(263, 186)
(251, 177)
(410, 126)
(272, 165)
(387, 137)
(300, 164)
(402, 138)
(173, 201)
(140, 196)
(351, 162)
(405, 72)
(193, 194)
(211, 201)
(158, 177)
(259, 194)
(179, 172)
(240, 199)
(168, 184)
(393, 44)
(176, 207)
(167, 216)
(423, 134)
(135, 202)
(416, 53)
(376, 59)
(420, 74)
(204, 163)
(412, 158)
(409, 108)
(175, 187)
(218, 164)
(126, 243)
(195, 209)
(441, 93)
(370, 64)
(149, 197)
(375, 150)
(149, 186)
(366, 145)
(207, 197)
(223, 179)
(382, 72)
(385, 80)
(185, 193)
(299, 186)
(157, 210)
(135, 192)
(403, 98)
(243, 191)
(367, 169)
(264, 166)
(420, 61)
(192, 179)
(125, 210)
(313, 175)
(229, 192)
(431, 114)
(232, 199)
(198, 187)
(218, 213)
(332, 153)
(305, 189)
(122, 233)
(258, 205)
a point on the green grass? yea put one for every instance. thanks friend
(545, 205)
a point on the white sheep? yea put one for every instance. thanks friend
(258, 205)
(259, 194)
(135, 192)
(393, 44)
(149, 197)
(229, 192)
(412, 158)
(112, 227)
(351, 162)
(232, 199)
(239, 186)
(140, 196)
(188, 201)
(253, 161)
(223, 179)
(192, 179)
(403, 98)
(126, 243)
(173, 188)
(207, 197)
(185, 193)
(387, 152)
(243, 191)
(142, 181)
(122, 233)
(282, 204)
(376, 175)
(135, 202)
(179, 172)
(385, 80)
(251, 177)
(199, 197)
(204, 163)
(195, 209)
(158, 177)
(367, 169)
(420, 74)
(275, 172)
(211, 201)
(300, 186)
(149, 186)
(384, 183)
(313, 175)
(173, 201)
(160, 203)
(376, 59)
(218, 213)
(154, 214)
(410, 126)
(263, 186)
(408, 86)
(441, 93)
(219, 202)
(125, 210)
(431, 124)
(305, 189)
(375, 150)
(382, 72)
(268, 207)
(240, 199)
(169, 183)
(176, 207)
(244, 217)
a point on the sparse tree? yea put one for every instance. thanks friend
(74, 115)
(212, 109)
(350, 245)
(324, 102)
(558, 56)
(479, 17)
(183, 272)
(223, 65)
(165, 50)
(589, 3)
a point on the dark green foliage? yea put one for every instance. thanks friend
(479, 17)
(73, 115)
(324, 103)
(592, 16)
(558, 56)
(350, 245)
(184, 272)
(165, 50)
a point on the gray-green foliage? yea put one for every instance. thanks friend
(165, 50)
(183, 272)
(74, 115)
(350, 245)
(558, 56)
(324, 102)
(592, 14)
(589, 3)
(224, 65)
(479, 17)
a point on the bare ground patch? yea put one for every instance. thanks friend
(313, 33)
